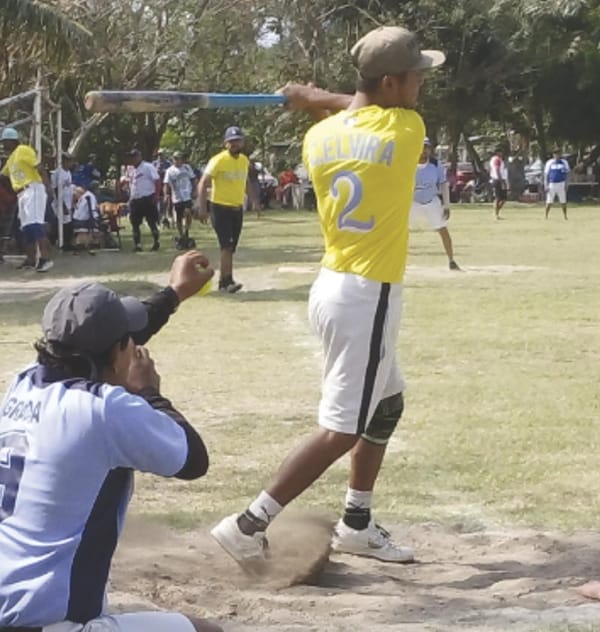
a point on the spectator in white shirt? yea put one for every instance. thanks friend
(499, 180)
(178, 187)
(144, 187)
(63, 178)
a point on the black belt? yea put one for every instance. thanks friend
(21, 629)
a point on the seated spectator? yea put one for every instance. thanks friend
(253, 181)
(86, 219)
(88, 173)
(287, 180)
(268, 186)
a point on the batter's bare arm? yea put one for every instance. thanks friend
(203, 185)
(316, 101)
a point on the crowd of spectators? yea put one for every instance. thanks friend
(94, 203)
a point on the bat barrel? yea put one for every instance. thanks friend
(136, 101)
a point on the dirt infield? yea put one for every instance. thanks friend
(493, 581)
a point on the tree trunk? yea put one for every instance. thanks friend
(84, 130)
(593, 156)
(538, 117)
(473, 155)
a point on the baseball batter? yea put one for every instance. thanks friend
(73, 428)
(362, 163)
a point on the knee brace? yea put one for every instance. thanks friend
(384, 420)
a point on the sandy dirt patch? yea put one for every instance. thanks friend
(493, 581)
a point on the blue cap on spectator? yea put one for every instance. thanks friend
(234, 133)
(9, 133)
(427, 141)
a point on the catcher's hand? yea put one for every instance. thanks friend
(189, 274)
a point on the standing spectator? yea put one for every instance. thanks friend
(178, 184)
(8, 207)
(430, 182)
(88, 173)
(62, 177)
(144, 187)
(499, 180)
(227, 176)
(30, 182)
(555, 181)
(161, 163)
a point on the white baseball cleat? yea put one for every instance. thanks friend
(374, 541)
(249, 551)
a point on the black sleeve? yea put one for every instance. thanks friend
(160, 306)
(196, 464)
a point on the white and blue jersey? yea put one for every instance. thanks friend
(429, 177)
(68, 449)
(556, 171)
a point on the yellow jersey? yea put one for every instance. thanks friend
(229, 175)
(362, 164)
(21, 167)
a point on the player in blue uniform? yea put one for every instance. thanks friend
(556, 172)
(73, 428)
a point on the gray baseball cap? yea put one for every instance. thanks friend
(392, 50)
(89, 317)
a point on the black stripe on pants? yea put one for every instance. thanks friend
(374, 356)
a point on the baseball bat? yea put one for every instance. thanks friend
(173, 101)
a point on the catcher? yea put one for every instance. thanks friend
(73, 428)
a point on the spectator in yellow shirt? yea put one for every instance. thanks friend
(30, 182)
(227, 176)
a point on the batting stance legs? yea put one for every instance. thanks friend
(357, 321)
(433, 215)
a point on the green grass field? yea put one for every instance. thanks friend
(501, 421)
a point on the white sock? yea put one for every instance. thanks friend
(265, 507)
(356, 499)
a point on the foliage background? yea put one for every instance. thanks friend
(525, 71)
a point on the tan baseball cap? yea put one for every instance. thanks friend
(392, 50)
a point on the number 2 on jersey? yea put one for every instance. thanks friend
(345, 221)
(13, 447)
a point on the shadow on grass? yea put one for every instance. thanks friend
(250, 255)
(23, 305)
(137, 264)
(299, 293)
